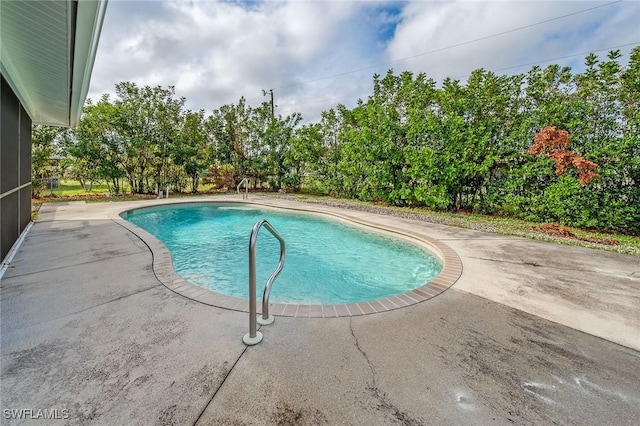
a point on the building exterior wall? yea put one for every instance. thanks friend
(15, 168)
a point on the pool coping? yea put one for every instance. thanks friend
(165, 273)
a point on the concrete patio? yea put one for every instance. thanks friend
(531, 333)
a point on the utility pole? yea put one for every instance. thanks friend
(264, 93)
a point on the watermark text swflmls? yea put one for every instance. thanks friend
(35, 413)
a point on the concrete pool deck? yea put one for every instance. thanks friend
(531, 333)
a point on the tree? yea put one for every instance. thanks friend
(555, 144)
(45, 141)
(303, 156)
(147, 122)
(95, 148)
(279, 138)
(190, 149)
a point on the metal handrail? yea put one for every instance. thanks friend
(254, 337)
(246, 188)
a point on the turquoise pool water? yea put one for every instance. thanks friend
(327, 261)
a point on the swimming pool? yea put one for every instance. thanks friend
(328, 262)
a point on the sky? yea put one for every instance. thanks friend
(317, 54)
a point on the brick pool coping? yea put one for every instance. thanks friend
(164, 272)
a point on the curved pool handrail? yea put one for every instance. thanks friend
(246, 188)
(254, 337)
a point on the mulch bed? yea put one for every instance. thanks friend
(556, 230)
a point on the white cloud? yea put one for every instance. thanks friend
(460, 34)
(309, 51)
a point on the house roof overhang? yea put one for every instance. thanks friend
(47, 51)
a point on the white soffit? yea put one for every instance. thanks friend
(48, 49)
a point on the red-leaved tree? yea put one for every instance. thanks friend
(554, 143)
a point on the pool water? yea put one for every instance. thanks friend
(327, 262)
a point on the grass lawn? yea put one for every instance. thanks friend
(71, 188)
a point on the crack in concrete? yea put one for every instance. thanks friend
(364, 354)
(380, 395)
(215, 392)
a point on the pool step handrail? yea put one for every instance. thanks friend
(246, 188)
(254, 337)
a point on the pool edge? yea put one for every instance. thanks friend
(166, 275)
